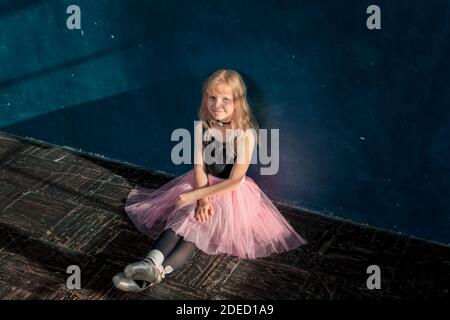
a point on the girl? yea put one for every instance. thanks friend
(214, 207)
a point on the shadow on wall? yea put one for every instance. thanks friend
(10, 7)
(133, 126)
(5, 84)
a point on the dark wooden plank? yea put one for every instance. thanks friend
(84, 230)
(126, 246)
(40, 267)
(10, 191)
(11, 243)
(170, 290)
(29, 167)
(107, 196)
(59, 208)
(9, 292)
(199, 269)
(255, 280)
(33, 214)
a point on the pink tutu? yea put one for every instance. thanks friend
(245, 222)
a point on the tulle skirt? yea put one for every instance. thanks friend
(245, 222)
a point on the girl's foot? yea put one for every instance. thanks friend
(146, 271)
(128, 285)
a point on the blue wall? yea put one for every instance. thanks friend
(364, 115)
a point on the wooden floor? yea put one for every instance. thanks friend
(59, 208)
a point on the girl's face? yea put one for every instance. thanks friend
(220, 103)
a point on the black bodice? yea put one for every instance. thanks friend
(220, 169)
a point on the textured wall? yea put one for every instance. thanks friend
(364, 115)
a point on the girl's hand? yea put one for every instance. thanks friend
(204, 210)
(185, 199)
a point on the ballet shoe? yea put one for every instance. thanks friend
(145, 271)
(123, 283)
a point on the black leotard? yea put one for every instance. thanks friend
(219, 169)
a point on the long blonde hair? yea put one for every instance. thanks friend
(242, 116)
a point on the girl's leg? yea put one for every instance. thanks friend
(166, 242)
(169, 253)
(164, 245)
(180, 254)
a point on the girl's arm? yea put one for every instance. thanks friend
(201, 179)
(244, 154)
(200, 176)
